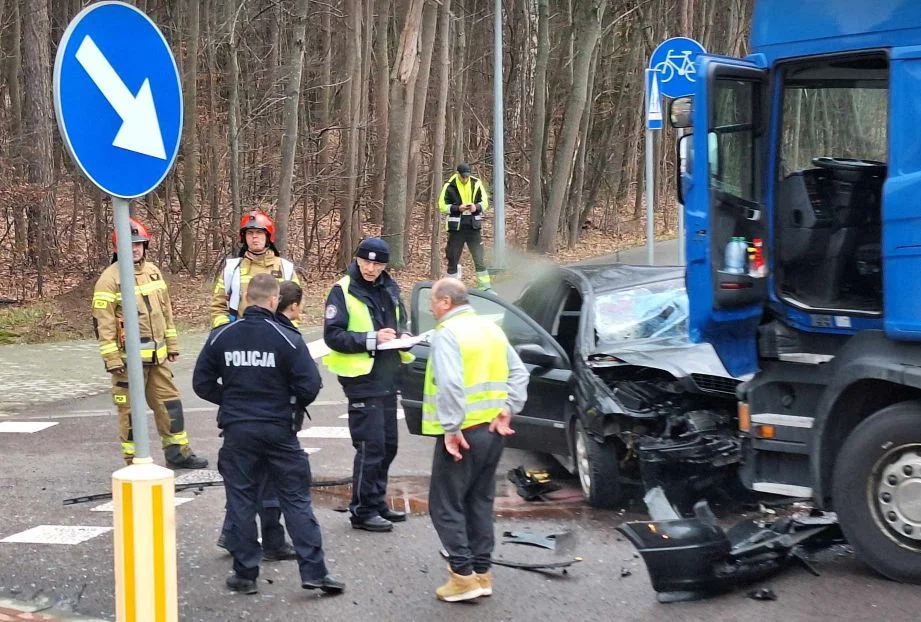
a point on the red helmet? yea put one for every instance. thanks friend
(139, 233)
(257, 219)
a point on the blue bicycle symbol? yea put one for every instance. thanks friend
(684, 67)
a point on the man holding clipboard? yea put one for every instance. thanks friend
(363, 313)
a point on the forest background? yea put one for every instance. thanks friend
(343, 118)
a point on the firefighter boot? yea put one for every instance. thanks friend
(482, 281)
(459, 587)
(175, 460)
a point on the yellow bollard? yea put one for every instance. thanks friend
(145, 544)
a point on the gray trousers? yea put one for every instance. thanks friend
(461, 498)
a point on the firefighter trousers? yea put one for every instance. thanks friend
(163, 398)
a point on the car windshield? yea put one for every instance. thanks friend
(652, 313)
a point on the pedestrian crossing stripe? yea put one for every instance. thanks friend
(400, 415)
(325, 432)
(25, 427)
(56, 534)
(311, 450)
(109, 507)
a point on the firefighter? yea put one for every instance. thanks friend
(159, 344)
(364, 311)
(257, 255)
(463, 200)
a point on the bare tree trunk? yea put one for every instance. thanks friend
(351, 107)
(460, 88)
(190, 140)
(381, 109)
(589, 30)
(578, 176)
(429, 21)
(289, 139)
(214, 176)
(402, 79)
(38, 125)
(539, 122)
(438, 152)
(326, 95)
(233, 114)
(13, 81)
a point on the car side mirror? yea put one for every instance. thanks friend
(538, 355)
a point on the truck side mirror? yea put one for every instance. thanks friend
(683, 167)
(679, 112)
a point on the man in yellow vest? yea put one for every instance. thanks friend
(364, 312)
(463, 200)
(474, 383)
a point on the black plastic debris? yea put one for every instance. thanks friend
(532, 485)
(762, 593)
(693, 558)
(625, 572)
(543, 540)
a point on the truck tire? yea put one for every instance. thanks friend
(877, 491)
(596, 466)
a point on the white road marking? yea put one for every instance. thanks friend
(57, 534)
(110, 507)
(25, 427)
(311, 450)
(325, 432)
(400, 415)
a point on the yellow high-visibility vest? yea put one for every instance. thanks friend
(351, 365)
(483, 349)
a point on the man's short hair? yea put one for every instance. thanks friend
(261, 288)
(453, 289)
(289, 293)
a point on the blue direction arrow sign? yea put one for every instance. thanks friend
(118, 98)
(674, 60)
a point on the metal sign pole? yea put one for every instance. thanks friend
(136, 397)
(650, 200)
(498, 144)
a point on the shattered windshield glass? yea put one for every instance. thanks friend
(653, 313)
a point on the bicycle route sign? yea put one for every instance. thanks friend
(118, 98)
(674, 62)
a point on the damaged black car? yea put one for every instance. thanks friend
(618, 392)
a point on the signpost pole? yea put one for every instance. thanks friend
(498, 145)
(136, 398)
(650, 200)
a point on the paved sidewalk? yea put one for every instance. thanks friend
(16, 610)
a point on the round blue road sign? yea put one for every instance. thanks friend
(674, 61)
(118, 98)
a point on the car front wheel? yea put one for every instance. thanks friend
(596, 465)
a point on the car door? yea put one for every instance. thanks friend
(540, 426)
(724, 208)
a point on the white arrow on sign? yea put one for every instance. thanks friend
(655, 100)
(140, 130)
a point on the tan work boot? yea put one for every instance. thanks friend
(459, 587)
(485, 581)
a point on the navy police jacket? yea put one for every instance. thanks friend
(265, 371)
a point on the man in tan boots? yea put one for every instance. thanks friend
(474, 383)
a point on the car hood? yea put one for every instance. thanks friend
(677, 356)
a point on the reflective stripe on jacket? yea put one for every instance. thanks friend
(155, 316)
(454, 194)
(484, 359)
(228, 301)
(352, 365)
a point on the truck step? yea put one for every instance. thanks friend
(787, 490)
(790, 421)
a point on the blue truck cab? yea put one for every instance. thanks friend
(808, 152)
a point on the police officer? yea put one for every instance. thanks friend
(261, 375)
(159, 345)
(463, 200)
(257, 255)
(363, 312)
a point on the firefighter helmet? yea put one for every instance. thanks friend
(257, 219)
(139, 233)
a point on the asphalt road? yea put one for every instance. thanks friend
(389, 576)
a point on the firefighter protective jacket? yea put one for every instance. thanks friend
(155, 316)
(237, 273)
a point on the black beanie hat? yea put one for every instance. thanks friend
(374, 249)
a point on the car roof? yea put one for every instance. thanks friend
(601, 277)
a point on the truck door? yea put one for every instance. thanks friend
(724, 207)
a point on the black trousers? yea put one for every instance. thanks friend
(473, 238)
(273, 532)
(461, 499)
(373, 426)
(250, 453)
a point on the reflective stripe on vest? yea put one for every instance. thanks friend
(233, 284)
(483, 349)
(357, 363)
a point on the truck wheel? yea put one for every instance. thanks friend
(596, 465)
(877, 491)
